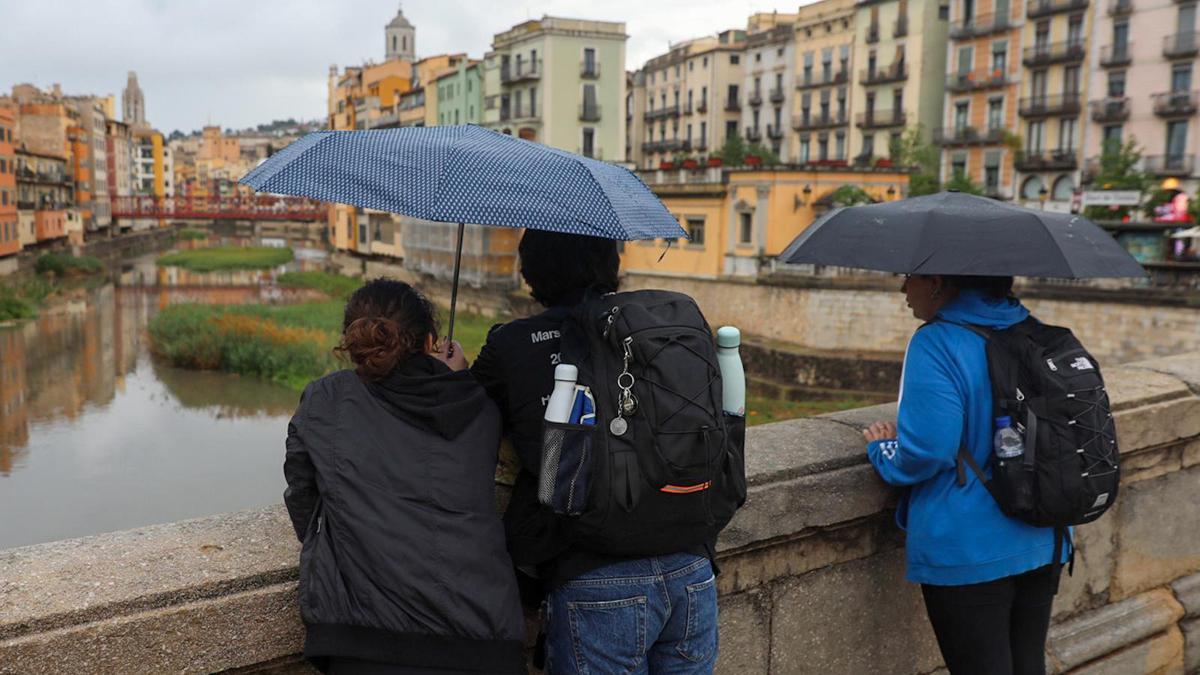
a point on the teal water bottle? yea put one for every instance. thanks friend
(733, 375)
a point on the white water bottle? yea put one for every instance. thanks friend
(558, 409)
(733, 376)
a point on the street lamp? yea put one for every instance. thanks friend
(798, 202)
(891, 192)
(1042, 194)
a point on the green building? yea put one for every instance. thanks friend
(460, 95)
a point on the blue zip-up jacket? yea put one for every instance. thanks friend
(956, 535)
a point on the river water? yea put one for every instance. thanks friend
(95, 436)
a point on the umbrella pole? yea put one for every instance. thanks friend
(454, 289)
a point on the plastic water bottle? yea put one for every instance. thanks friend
(558, 409)
(733, 376)
(1007, 441)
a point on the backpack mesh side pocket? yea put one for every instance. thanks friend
(565, 478)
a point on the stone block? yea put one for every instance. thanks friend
(1132, 386)
(1107, 630)
(1148, 464)
(1191, 646)
(1191, 454)
(1160, 655)
(801, 447)
(1186, 367)
(1156, 532)
(198, 637)
(745, 621)
(860, 617)
(1088, 586)
(1158, 424)
(1187, 591)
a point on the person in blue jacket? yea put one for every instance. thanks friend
(987, 578)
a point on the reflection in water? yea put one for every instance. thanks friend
(95, 437)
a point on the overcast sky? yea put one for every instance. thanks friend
(238, 63)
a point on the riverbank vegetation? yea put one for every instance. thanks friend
(336, 286)
(227, 258)
(192, 234)
(22, 297)
(63, 265)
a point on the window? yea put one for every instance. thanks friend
(1066, 134)
(731, 128)
(840, 146)
(999, 57)
(1064, 189)
(823, 147)
(962, 112)
(734, 60)
(1112, 133)
(704, 62)
(804, 141)
(1075, 30)
(745, 227)
(958, 165)
(362, 233)
(757, 57)
(589, 60)
(703, 132)
(1176, 141)
(966, 59)
(695, 229)
(691, 66)
(868, 148)
(704, 95)
(456, 112)
(779, 52)
(995, 117)
(589, 136)
(1116, 84)
(733, 94)
(1033, 141)
(1031, 189)
(1181, 77)
(1120, 36)
(991, 172)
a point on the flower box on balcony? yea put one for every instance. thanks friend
(691, 164)
(753, 160)
(883, 163)
(714, 161)
(666, 166)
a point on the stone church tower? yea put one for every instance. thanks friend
(401, 39)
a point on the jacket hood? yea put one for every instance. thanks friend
(973, 307)
(424, 392)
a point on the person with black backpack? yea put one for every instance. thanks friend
(613, 520)
(1004, 439)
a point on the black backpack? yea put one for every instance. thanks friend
(1051, 387)
(662, 469)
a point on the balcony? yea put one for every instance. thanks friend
(686, 145)
(840, 77)
(733, 105)
(1091, 169)
(1107, 110)
(775, 131)
(1115, 55)
(873, 34)
(660, 113)
(701, 145)
(1120, 7)
(961, 136)
(1180, 45)
(671, 145)
(589, 112)
(804, 122)
(1057, 52)
(897, 72)
(1170, 165)
(651, 147)
(881, 119)
(702, 106)
(525, 112)
(982, 24)
(976, 81)
(777, 95)
(687, 109)
(1046, 160)
(755, 99)
(589, 70)
(901, 28)
(1045, 106)
(753, 134)
(521, 72)
(1175, 103)
(1039, 8)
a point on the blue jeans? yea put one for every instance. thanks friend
(652, 615)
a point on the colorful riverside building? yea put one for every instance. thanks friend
(1144, 87)
(769, 80)
(460, 94)
(10, 238)
(822, 106)
(900, 58)
(687, 101)
(984, 61)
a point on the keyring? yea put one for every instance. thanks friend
(626, 387)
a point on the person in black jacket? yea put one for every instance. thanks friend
(390, 471)
(602, 613)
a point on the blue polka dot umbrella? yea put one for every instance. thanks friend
(468, 174)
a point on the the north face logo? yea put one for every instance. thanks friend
(1082, 363)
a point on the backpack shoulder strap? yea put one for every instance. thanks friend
(965, 459)
(985, 333)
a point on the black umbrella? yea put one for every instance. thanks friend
(954, 233)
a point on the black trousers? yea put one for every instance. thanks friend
(994, 628)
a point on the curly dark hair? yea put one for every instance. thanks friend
(384, 323)
(557, 265)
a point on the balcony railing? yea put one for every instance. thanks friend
(659, 113)
(1170, 165)
(1110, 109)
(775, 131)
(881, 119)
(1057, 52)
(1175, 103)
(589, 70)
(702, 106)
(687, 108)
(753, 134)
(982, 24)
(1120, 7)
(966, 135)
(901, 27)
(525, 112)
(1115, 55)
(873, 34)
(840, 77)
(1181, 45)
(686, 145)
(589, 112)
(651, 146)
(983, 79)
(733, 105)
(701, 145)
(1040, 8)
(897, 72)
(1043, 106)
(526, 70)
(804, 122)
(1046, 160)
(756, 99)
(777, 95)
(671, 145)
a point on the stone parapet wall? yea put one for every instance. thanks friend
(812, 567)
(869, 315)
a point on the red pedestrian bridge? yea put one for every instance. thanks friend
(259, 207)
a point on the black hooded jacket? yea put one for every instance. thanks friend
(391, 490)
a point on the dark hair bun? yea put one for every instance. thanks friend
(385, 322)
(375, 345)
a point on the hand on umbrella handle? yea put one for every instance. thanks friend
(451, 354)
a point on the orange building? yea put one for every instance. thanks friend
(45, 195)
(10, 239)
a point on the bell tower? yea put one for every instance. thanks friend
(401, 38)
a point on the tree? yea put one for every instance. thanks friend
(850, 195)
(768, 157)
(963, 183)
(923, 159)
(733, 153)
(1118, 171)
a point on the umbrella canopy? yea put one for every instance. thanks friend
(953, 233)
(468, 174)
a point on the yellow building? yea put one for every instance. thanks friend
(740, 219)
(823, 105)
